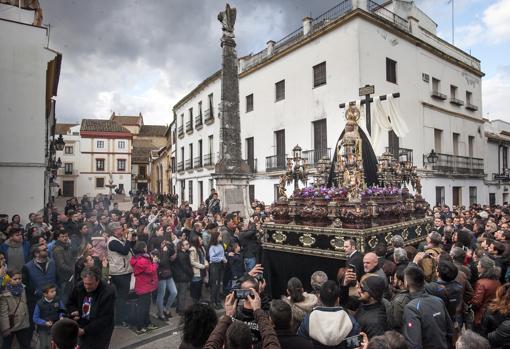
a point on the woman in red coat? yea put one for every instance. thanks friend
(145, 271)
(485, 288)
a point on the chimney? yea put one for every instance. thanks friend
(307, 25)
(414, 24)
(270, 47)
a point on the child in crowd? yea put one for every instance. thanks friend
(14, 318)
(235, 260)
(48, 310)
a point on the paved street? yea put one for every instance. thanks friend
(171, 341)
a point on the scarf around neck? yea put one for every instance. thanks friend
(16, 291)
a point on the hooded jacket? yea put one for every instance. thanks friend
(145, 272)
(328, 327)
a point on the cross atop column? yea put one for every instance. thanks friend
(367, 91)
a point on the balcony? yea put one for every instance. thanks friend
(252, 163)
(455, 164)
(180, 131)
(180, 166)
(471, 107)
(188, 165)
(197, 162)
(276, 163)
(63, 172)
(189, 127)
(208, 160)
(198, 121)
(438, 95)
(313, 156)
(208, 117)
(401, 154)
(456, 101)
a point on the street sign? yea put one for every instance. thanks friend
(366, 90)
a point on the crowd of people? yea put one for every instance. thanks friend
(97, 267)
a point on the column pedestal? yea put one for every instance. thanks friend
(233, 192)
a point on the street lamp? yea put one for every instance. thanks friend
(296, 152)
(59, 143)
(432, 157)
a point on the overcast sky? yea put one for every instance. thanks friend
(132, 56)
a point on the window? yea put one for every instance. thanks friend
(99, 164)
(68, 168)
(121, 165)
(191, 155)
(492, 199)
(211, 104)
(122, 144)
(174, 164)
(391, 70)
(249, 103)
(99, 182)
(319, 74)
(190, 111)
(190, 192)
(68, 149)
(504, 159)
(200, 192)
(436, 83)
(280, 90)
(456, 137)
(211, 184)
(182, 119)
(183, 188)
(251, 192)
(457, 196)
(100, 144)
(471, 145)
(142, 172)
(472, 196)
(469, 97)
(438, 135)
(453, 91)
(439, 195)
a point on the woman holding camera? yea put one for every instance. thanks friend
(145, 268)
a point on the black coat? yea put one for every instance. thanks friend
(249, 244)
(289, 340)
(182, 269)
(496, 327)
(357, 260)
(372, 319)
(98, 325)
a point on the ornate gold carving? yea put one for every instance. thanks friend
(388, 237)
(337, 243)
(279, 237)
(307, 240)
(405, 234)
(418, 230)
(373, 241)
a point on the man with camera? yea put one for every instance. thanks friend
(119, 255)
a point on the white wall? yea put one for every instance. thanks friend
(23, 63)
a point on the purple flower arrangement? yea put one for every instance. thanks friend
(321, 193)
(381, 191)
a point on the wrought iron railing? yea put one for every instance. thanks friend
(208, 160)
(180, 166)
(276, 162)
(456, 164)
(313, 156)
(208, 117)
(383, 12)
(189, 126)
(188, 165)
(180, 131)
(401, 154)
(505, 177)
(330, 15)
(198, 120)
(197, 162)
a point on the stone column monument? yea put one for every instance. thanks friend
(232, 174)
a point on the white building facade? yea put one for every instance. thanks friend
(290, 94)
(29, 74)
(97, 154)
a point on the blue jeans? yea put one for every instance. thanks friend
(163, 285)
(249, 263)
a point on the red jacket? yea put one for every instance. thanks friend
(146, 274)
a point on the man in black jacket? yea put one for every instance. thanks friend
(354, 257)
(182, 274)
(371, 314)
(249, 246)
(91, 304)
(426, 323)
(281, 316)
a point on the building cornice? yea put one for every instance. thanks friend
(110, 135)
(453, 113)
(377, 21)
(196, 90)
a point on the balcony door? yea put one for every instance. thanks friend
(320, 140)
(457, 196)
(280, 148)
(250, 153)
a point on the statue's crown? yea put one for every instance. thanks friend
(352, 113)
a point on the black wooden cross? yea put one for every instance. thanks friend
(366, 91)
